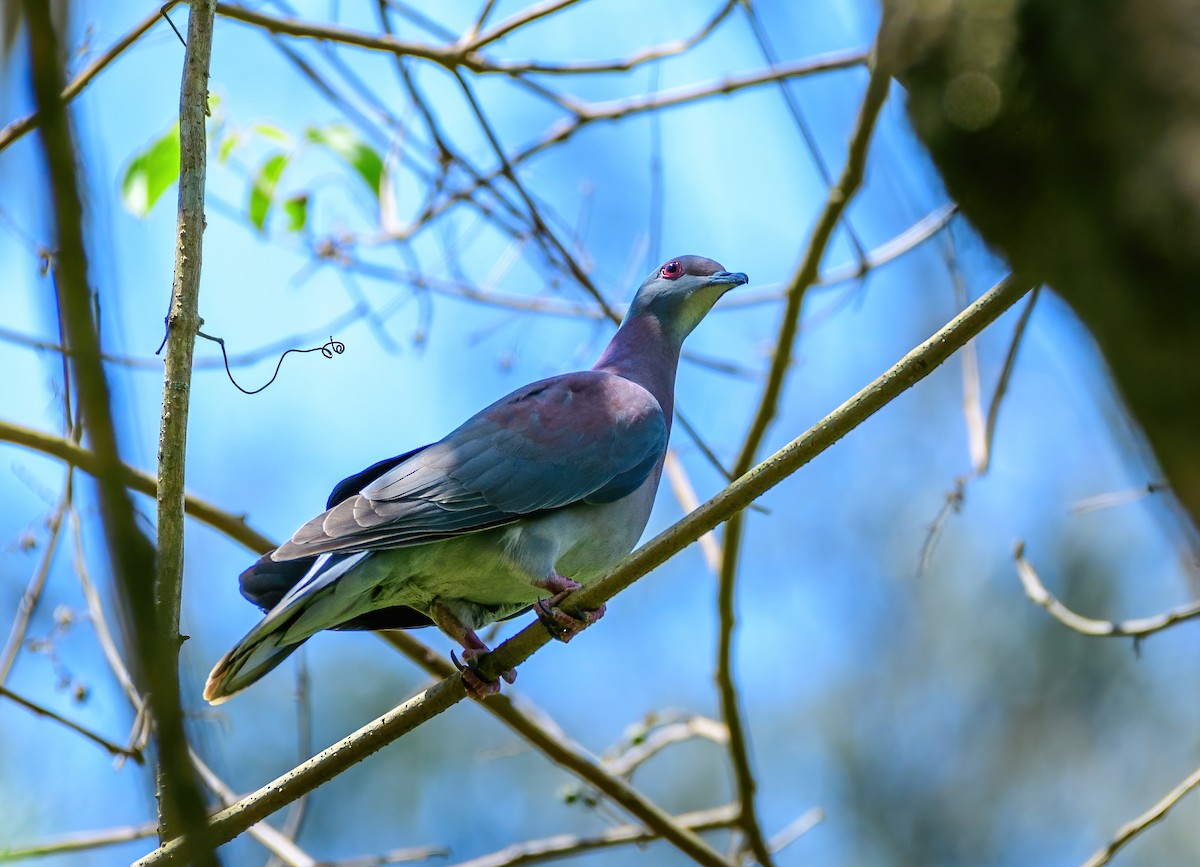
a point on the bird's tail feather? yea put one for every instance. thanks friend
(307, 608)
(253, 657)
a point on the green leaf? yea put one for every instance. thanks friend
(267, 130)
(262, 191)
(230, 141)
(151, 173)
(296, 209)
(345, 144)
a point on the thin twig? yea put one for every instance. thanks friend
(632, 756)
(912, 368)
(1137, 628)
(1010, 360)
(1131, 829)
(37, 582)
(80, 842)
(99, 740)
(20, 127)
(568, 845)
(905, 242)
(796, 829)
(685, 495)
(544, 235)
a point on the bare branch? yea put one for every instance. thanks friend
(839, 197)
(113, 749)
(796, 829)
(33, 591)
(451, 58)
(274, 841)
(231, 525)
(131, 556)
(526, 16)
(567, 845)
(625, 64)
(81, 842)
(1137, 629)
(555, 745)
(20, 127)
(685, 494)
(183, 321)
(1130, 830)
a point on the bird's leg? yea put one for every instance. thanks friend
(477, 685)
(561, 625)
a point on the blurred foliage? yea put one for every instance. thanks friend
(1067, 131)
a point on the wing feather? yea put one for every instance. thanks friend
(583, 437)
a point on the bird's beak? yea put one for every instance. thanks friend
(729, 279)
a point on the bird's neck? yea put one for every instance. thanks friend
(642, 352)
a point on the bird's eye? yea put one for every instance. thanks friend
(671, 270)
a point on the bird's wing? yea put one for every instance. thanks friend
(589, 437)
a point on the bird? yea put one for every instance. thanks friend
(532, 497)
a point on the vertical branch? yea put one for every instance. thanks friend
(806, 275)
(131, 556)
(183, 322)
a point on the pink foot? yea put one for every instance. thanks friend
(561, 625)
(478, 687)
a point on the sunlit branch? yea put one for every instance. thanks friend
(1137, 628)
(183, 323)
(905, 242)
(274, 841)
(1130, 830)
(625, 64)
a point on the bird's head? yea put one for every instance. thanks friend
(680, 292)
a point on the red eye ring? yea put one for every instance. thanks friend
(671, 271)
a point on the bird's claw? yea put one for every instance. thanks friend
(561, 625)
(478, 686)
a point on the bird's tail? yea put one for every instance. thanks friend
(249, 660)
(307, 608)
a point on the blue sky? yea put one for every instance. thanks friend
(843, 652)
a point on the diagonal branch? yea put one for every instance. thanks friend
(567, 754)
(914, 367)
(99, 740)
(1136, 826)
(17, 128)
(233, 526)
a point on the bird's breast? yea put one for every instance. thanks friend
(584, 541)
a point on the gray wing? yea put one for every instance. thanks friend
(589, 437)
